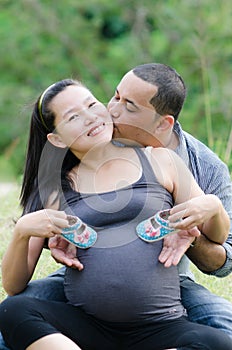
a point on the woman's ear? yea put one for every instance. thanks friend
(56, 140)
(166, 123)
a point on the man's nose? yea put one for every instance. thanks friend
(114, 109)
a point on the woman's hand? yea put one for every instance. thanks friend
(24, 250)
(175, 246)
(43, 223)
(207, 213)
(64, 252)
(194, 212)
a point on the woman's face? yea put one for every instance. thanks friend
(81, 121)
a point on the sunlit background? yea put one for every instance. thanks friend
(97, 41)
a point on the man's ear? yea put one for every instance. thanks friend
(166, 123)
(56, 140)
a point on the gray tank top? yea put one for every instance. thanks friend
(122, 280)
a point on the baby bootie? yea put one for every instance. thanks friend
(78, 233)
(155, 228)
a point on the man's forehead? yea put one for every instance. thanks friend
(134, 88)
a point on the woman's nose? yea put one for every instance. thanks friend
(90, 118)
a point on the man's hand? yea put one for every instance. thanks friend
(175, 245)
(64, 252)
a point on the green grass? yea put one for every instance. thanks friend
(10, 211)
(7, 173)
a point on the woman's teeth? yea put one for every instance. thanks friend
(96, 130)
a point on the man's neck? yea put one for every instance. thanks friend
(171, 142)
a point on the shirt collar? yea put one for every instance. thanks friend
(181, 149)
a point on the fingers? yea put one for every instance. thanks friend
(186, 219)
(74, 263)
(175, 246)
(54, 222)
(42, 223)
(170, 256)
(55, 213)
(57, 218)
(164, 255)
(53, 242)
(194, 232)
(50, 230)
(64, 253)
(193, 212)
(61, 258)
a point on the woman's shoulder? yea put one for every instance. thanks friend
(161, 153)
(162, 162)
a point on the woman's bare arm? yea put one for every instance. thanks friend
(192, 206)
(27, 242)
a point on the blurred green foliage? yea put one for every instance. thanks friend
(97, 41)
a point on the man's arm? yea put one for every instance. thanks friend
(210, 257)
(206, 255)
(212, 175)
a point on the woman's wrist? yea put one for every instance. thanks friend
(20, 232)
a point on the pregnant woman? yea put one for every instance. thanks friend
(124, 298)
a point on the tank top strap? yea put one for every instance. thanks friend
(144, 155)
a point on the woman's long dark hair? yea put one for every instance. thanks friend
(47, 167)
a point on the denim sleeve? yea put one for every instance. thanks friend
(220, 184)
(213, 176)
(226, 269)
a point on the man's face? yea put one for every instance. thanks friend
(133, 116)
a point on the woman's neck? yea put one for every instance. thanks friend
(106, 169)
(97, 155)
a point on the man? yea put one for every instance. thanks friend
(159, 88)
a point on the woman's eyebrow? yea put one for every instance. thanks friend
(73, 109)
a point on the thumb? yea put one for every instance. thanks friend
(53, 241)
(194, 232)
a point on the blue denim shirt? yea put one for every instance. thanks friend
(213, 176)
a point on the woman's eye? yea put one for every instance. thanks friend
(73, 117)
(96, 106)
(92, 104)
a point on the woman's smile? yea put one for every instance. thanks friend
(96, 129)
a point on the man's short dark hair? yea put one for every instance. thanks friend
(171, 93)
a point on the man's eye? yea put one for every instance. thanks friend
(130, 107)
(116, 97)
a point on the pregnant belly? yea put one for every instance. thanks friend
(124, 284)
